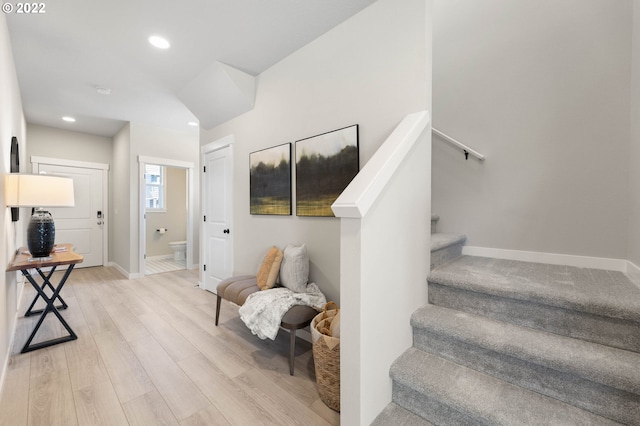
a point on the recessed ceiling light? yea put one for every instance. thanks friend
(69, 119)
(192, 123)
(103, 90)
(159, 42)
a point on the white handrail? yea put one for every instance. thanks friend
(363, 190)
(460, 145)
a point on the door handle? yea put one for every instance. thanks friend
(226, 231)
(99, 222)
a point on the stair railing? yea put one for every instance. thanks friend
(458, 144)
(384, 262)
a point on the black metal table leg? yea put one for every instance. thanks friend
(46, 283)
(28, 347)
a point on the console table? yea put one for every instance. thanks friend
(62, 255)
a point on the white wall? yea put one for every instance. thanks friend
(57, 143)
(120, 207)
(634, 151)
(12, 123)
(370, 70)
(541, 87)
(121, 153)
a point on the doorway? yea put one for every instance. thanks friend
(86, 224)
(166, 207)
(166, 219)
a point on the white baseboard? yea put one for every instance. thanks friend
(633, 272)
(20, 283)
(620, 265)
(5, 366)
(124, 272)
(632, 268)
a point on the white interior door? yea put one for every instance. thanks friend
(82, 225)
(217, 212)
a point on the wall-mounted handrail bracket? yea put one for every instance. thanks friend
(458, 144)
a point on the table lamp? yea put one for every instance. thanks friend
(38, 191)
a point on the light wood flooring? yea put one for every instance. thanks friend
(148, 353)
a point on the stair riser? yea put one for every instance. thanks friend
(430, 409)
(445, 255)
(420, 379)
(597, 398)
(623, 334)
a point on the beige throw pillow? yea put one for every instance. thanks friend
(268, 272)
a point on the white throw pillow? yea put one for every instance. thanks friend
(294, 270)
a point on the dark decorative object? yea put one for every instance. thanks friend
(270, 181)
(41, 233)
(15, 168)
(325, 165)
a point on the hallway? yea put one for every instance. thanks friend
(148, 353)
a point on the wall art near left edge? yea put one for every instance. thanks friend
(270, 181)
(15, 168)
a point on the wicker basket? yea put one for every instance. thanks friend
(326, 357)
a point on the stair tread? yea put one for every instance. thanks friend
(484, 397)
(396, 415)
(440, 240)
(594, 291)
(592, 361)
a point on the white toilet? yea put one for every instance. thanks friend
(179, 250)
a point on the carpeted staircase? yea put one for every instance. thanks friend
(515, 343)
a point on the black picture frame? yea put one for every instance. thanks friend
(325, 165)
(270, 181)
(15, 168)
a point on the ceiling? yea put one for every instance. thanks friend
(63, 55)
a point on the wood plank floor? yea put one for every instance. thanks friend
(148, 353)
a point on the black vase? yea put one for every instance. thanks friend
(41, 234)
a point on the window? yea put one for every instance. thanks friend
(155, 189)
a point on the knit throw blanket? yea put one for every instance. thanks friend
(263, 310)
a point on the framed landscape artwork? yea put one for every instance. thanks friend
(270, 181)
(325, 164)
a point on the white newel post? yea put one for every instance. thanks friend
(384, 261)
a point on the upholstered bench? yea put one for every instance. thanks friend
(237, 289)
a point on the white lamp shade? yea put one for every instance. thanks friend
(24, 190)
